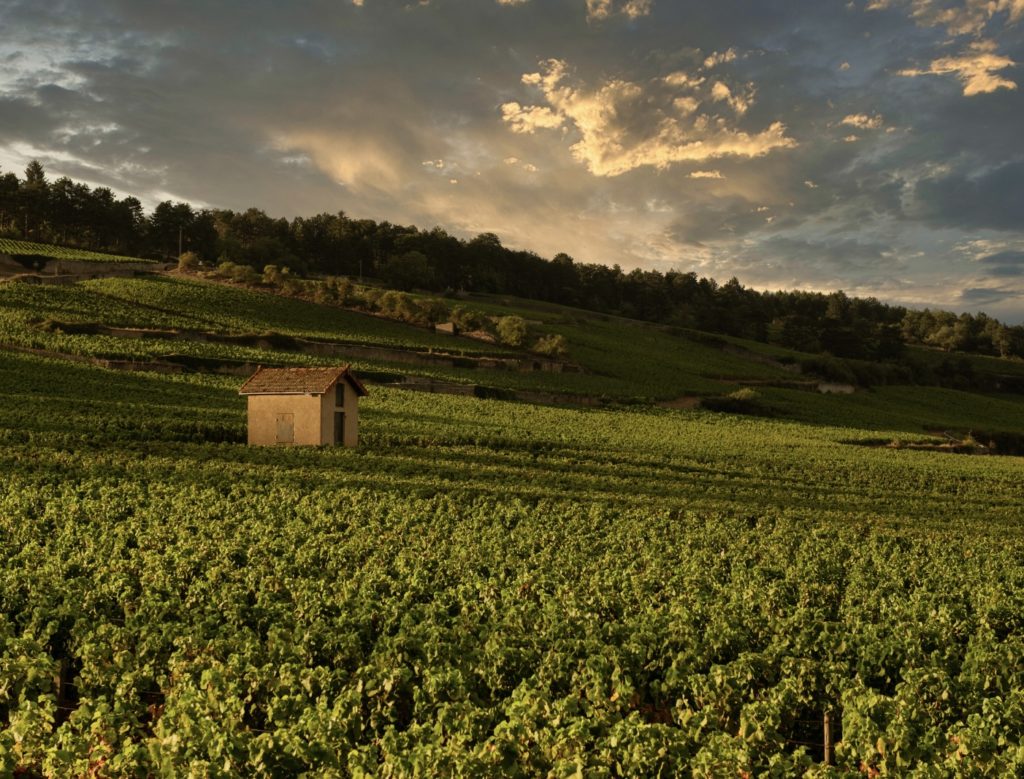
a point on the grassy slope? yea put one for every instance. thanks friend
(624, 359)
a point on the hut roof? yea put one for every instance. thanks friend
(299, 381)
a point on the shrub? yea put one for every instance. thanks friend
(512, 330)
(742, 401)
(552, 346)
(235, 272)
(188, 261)
(274, 276)
(468, 321)
(399, 305)
(342, 287)
(435, 311)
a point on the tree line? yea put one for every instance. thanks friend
(405, 257)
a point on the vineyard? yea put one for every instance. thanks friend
(485, 587)
(489, 588)
(16, 248)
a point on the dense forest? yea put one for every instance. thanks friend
(71, 213)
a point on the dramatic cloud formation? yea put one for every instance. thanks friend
(869, 146)
(622, 125)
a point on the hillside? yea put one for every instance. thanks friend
(485, 586)
(175, 322)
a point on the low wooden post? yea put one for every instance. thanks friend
(828, 737)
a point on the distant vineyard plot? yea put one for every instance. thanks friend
(44, 250)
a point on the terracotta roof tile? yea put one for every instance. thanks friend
(298, 381)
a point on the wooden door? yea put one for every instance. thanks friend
(285, 428)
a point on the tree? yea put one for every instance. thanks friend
(407, 271)
(33, 196)
(8, 199)
(169, 226)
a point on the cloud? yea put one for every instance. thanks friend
(969, 17)
(515, 162)
(992, 198)
(1008, 263)
(706, 174)
(863, 121)
(976, 68)
(633, 9)
(686, 105)
(682, 79)
(986, 296)
(740, 103)
(622, 126)
(717, 58)
(530, 118)
(357, 162)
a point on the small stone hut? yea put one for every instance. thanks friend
(303, 406)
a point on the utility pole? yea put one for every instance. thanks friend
(179, 241)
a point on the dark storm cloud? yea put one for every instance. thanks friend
(780, 140)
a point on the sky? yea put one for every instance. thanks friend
(873, 146)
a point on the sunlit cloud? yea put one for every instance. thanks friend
(740, 103)
(682, 79)
(863, 121)
(717, 58)
(977, 69)
(361, 164)
(602, 9)
(530, 118)
(622, 125)
(969, 17)
(706, 174)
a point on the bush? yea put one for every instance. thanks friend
(342, 287)
(324, 293)
(552, 346)
(188, 261)
(435, 311)
(399, 305)
(742, 401)
(274, 276)
(468, 321)
(292, 286)
(512, 330)
(243, 274)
